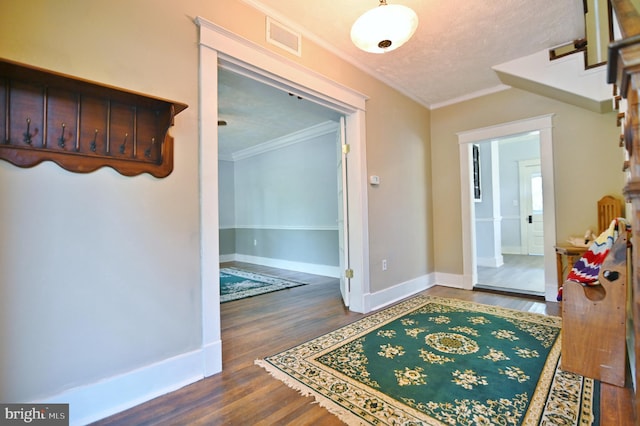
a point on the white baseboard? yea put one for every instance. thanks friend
(212, 358)
(102, 399)
(451, 280)
(309, 268)
(388, 296)
(491, 262)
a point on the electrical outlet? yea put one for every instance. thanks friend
(384, 264)
(255, 243)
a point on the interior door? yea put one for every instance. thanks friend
(343, 217)
(532, 206)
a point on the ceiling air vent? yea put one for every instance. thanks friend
(283, 37)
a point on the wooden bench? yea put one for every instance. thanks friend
(594, 321)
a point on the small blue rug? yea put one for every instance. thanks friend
(237, 284)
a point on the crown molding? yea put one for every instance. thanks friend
(283, 141)
(469, 96)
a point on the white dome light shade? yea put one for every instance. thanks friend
(384, 28)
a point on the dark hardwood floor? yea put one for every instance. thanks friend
(252, 328)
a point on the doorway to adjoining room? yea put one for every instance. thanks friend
(508, 214)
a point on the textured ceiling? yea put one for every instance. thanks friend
(256, 113)
(449, 57)
(456, 43)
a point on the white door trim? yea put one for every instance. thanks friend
(216, 44)
(343, 212)
(544, 124)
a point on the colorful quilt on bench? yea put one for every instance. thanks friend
(587, 268)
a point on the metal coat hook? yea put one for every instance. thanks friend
(27, 136)
(93, 144)
(147, 152)
(61, 138)
(124, 143)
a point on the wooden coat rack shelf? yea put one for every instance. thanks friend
(82, 126)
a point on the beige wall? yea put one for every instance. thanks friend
(400, 228)
(100, 273)
(587, 163)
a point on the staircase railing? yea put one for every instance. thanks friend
(598, 19)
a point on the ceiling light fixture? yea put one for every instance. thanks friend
(384, 28)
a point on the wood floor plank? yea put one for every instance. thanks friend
(256, 327)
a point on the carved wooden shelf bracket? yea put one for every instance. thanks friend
(82, 126)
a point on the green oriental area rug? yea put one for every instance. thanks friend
(437, 361)
(237, 284)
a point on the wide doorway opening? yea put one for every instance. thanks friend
(281, 186)
(469, 142)
(219, 46)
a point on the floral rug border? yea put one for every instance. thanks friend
(370, 406)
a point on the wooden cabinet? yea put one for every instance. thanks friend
(81, 125)
(624, 72)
